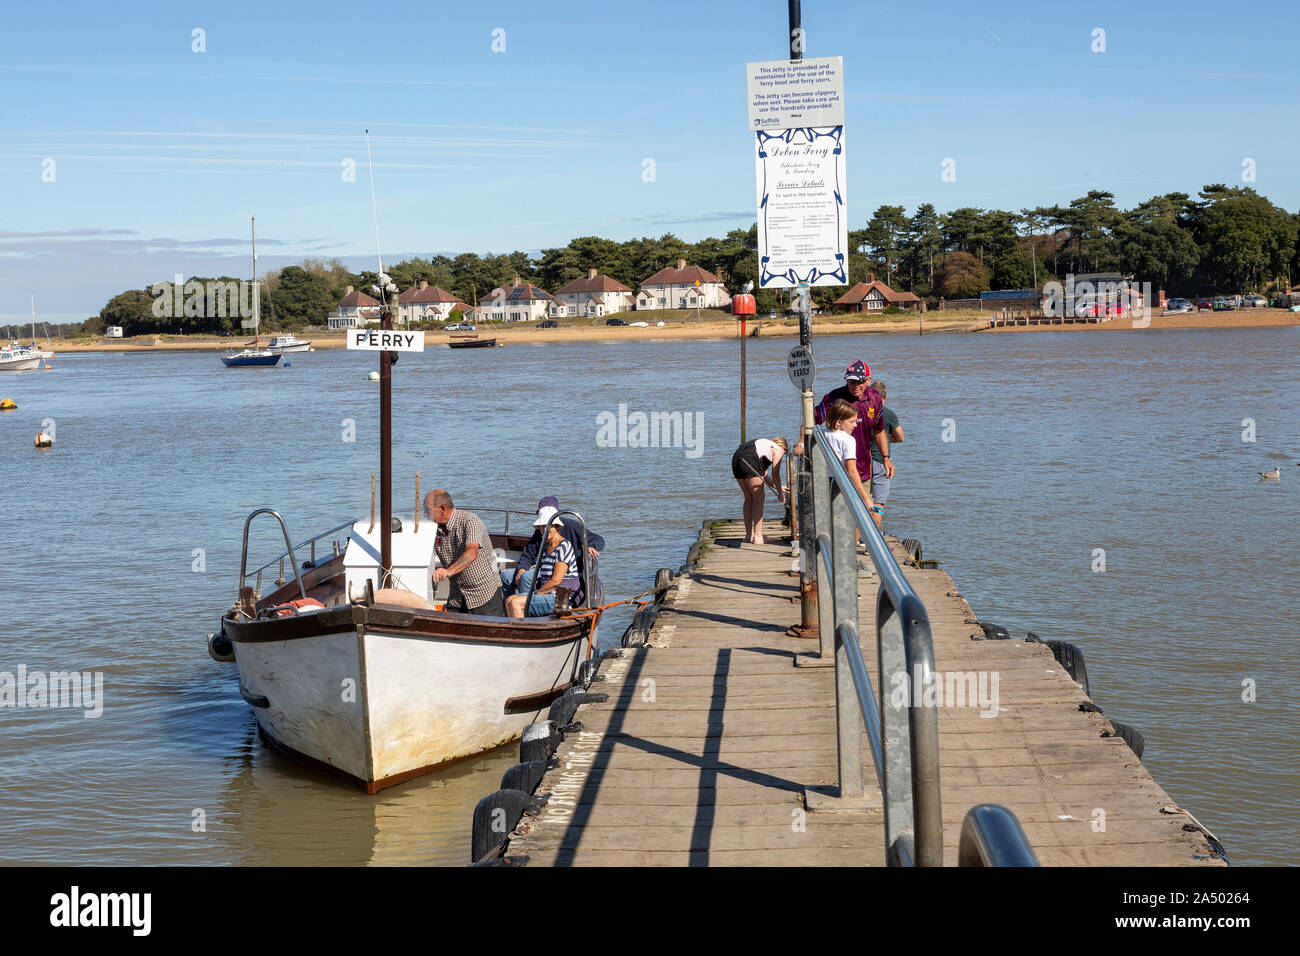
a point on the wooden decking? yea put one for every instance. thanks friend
(710, 737)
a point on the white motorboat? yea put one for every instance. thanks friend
(356, 665)
(19, 360)
(380, 686)
(281, 344)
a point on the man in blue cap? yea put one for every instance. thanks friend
(520, 579)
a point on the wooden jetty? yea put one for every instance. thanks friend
(710, 737)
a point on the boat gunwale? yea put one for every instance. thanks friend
(417, 623)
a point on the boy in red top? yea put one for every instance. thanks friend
(871, 419)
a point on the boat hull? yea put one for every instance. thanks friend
(474, 344)
(249, 361)
(402, 694)
(287, 349)
(21, 364)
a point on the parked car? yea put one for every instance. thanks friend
(638, 325)
(1204, 305)
(1222, 304)
(460, 327)
(615, 322)
(1178, 307)
(548, 324)
(1254, 302)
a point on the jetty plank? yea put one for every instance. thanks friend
(710, 738)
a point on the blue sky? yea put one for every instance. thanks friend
(161, 154)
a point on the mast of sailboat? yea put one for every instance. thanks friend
(383, 285)
(257, 312)
(34, 319)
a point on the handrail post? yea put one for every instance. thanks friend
(822, 551)
(895, 728)
(844, 581)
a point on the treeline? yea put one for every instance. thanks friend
(1228, 240)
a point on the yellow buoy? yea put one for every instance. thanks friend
(44, 440)
(8, 405)
(48, 366)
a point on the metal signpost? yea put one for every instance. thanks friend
(796, 113)
(386, 341)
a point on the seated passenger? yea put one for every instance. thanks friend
(519, 579)
(557, 567)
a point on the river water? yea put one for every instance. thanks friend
(1026, 457)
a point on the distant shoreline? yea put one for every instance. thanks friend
(932, 323)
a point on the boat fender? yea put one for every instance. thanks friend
(663, 579)
(1071, 658)
(495, 817)
(539, 740)
(993, 632)
(1131, 735)
(526, 776)
(220, 649)
(564, 708)
(635, 636)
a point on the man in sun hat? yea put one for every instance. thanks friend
(870, 429)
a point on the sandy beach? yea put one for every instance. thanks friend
(930, 323)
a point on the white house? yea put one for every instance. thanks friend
(683, 287)
(354, 310)
(425, 303)
(592, 296)
(517, 302)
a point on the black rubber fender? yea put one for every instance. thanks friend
(912, 548)
(495, 816)
(994, 632)
(564, 709)
(663, 578)
(1070, 657)
(524, 776)
(220, 649)
(539, 740)
(1131, 735)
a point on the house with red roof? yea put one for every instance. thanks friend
(517, 302)
(591, 296)
(354, 310)
(426, 303)
(683, 287)
(874, 296)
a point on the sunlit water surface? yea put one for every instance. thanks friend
(1065, 443)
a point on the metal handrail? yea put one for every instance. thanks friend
(243, 558)
(992, 836)
(300, 545)
(507, 512)
(585, 558)
(904, 738)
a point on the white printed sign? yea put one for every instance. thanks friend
(803, 232)
(784, 94)
(383, 340)
(801, 368)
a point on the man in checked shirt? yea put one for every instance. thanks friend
(466, 557)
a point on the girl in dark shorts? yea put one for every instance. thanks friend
(749, 466)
